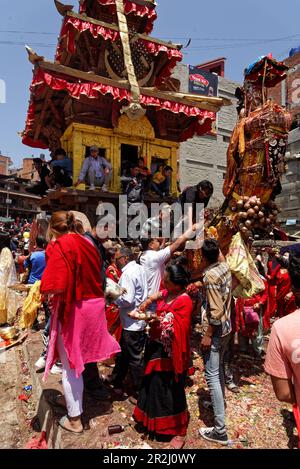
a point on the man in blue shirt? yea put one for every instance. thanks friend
(96, 171)
(36, 262)
(62, 168)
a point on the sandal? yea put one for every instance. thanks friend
(62, 422)
(177, 442)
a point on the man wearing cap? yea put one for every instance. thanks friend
(96, 170)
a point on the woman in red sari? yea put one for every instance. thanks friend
(161, 407)
(78, 333)
(112, 311)
(285, 299)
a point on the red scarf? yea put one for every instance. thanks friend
(73, 270)
(181, 308)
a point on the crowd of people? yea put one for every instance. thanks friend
(96, 172)
(103, 299)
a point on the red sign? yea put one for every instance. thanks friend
(199, 79)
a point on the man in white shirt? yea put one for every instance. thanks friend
(134, 281)
(154, 259)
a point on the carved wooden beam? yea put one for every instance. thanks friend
(63, 9)
(202, 102)
(89, 49)
(116, 28)
(33, 57)
(43, 113)
(56, 113)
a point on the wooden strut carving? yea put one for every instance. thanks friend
(134, 111)
(63, 9)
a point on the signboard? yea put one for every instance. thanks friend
(203, 82)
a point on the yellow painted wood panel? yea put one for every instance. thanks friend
(137, 133)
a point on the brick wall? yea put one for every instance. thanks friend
(205, 157)
(5, 162)
(287, 93)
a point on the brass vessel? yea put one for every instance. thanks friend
(9, 332)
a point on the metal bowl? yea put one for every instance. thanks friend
(9, 332)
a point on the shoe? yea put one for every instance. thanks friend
(104, 188)
(210, 434)
(233, 388)
(40, 363)
(92, 187)
(100, 394)
(56, 370)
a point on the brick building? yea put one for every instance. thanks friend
(287, 93)
(205, 157)
(26, 172)
(15, 201)
(5, 163)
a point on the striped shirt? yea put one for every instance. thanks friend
(216, 308)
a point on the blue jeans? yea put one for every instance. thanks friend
(162, 188)
(214, 374)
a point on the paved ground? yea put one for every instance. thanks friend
(255, 419)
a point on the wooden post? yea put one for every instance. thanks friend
(116, 163)
(174, 174)
(78, 156)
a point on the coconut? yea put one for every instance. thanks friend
(240, 204)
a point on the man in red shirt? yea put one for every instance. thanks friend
(283, 354)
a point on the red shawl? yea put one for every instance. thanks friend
(74, 270)
(181, 308)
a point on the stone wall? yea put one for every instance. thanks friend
(205, 157)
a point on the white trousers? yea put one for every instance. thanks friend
(73, 387)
